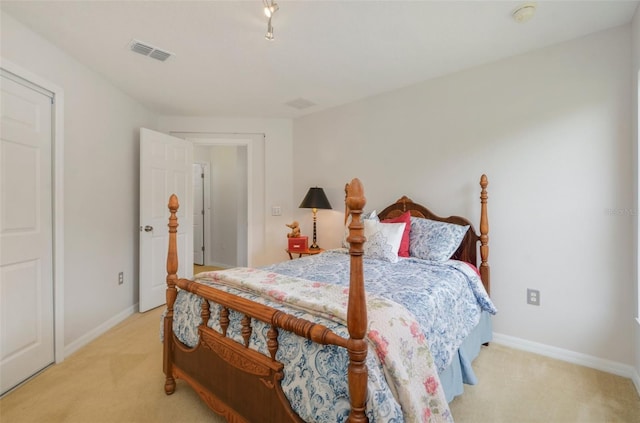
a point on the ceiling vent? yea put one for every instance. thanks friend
(300, 103)
(149, 50)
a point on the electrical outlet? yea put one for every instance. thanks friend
(533, 297)
(120, 278)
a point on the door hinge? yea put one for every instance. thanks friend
(203, 249)
(202, 175)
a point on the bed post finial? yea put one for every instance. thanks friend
(357, 310)
(484, 234)
(172, 292)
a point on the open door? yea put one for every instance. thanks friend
(198, 214)
(165, 169)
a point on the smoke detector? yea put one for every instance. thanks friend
(524, 13)
(147, 49)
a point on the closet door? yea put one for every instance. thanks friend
(26, 240)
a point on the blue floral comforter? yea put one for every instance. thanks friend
(446, 300)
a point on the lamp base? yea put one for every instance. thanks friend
(314, 246)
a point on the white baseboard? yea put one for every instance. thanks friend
(636, 380)
(96, 332)
(602, 364)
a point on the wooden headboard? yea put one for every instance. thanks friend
(468, 250)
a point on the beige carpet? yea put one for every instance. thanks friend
(197, 268)
(118, 378)
(516, 386)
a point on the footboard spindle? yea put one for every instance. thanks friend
(357, 310)
(172, 293)
(484, 235)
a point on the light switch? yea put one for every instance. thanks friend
(276, 211)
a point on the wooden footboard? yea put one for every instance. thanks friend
(238, 382)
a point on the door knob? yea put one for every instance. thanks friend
(148, 228)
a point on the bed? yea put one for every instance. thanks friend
(289, 343)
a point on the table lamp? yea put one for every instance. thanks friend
(315, 199)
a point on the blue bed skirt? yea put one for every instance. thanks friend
(460, 371)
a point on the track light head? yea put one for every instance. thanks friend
(270, 8)
(269, 34)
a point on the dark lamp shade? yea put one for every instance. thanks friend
(315, 199)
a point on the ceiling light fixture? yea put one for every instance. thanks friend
(270, 8)
(524, 13)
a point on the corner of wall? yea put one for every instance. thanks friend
(635, 57)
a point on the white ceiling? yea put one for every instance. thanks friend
(325, 52)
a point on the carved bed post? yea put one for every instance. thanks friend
(172, 292)
(357, 309)
(484, 234)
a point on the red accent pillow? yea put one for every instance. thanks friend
(404, 244)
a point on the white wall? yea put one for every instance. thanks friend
(101, 154)
(552, 130)
(635, 75)
(276, 181)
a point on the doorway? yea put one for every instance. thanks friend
(175, 176)
(251, 229)
(201, 210)
(223, 201)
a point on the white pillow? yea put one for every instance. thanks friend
(372, 215)
(383, 240)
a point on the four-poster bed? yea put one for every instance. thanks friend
(232, 353)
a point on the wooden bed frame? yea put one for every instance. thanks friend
(242, 384)
(468, 250)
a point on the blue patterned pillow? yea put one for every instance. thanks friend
(433, 240)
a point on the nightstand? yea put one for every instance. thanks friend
(303, 253)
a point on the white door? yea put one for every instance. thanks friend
(165, 169)
(198, 214)
(26, 240)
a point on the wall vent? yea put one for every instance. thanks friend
(148, 50)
